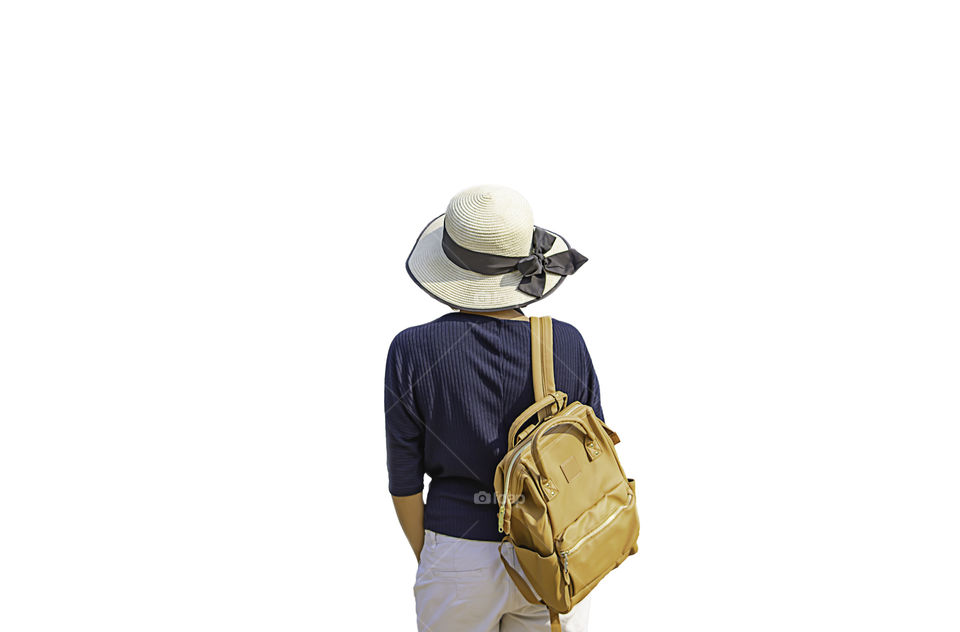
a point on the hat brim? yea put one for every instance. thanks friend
(456, 287)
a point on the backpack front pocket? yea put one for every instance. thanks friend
(599, 540)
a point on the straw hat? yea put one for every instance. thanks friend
(485, 254)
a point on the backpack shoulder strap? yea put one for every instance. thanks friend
(541, 348)
(527, 592)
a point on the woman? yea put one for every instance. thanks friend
(453, 385)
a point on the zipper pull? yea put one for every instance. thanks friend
(566, 565)
(500, 515)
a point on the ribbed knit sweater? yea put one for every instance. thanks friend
(453, 387)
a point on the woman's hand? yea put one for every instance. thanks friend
(410, 513)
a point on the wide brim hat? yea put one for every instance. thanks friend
(486, 254)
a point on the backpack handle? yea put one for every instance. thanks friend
(556, 397)
(590, 443)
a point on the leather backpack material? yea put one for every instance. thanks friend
(566, 504)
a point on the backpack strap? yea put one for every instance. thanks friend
(518, 579)
(527, 591)
(554, 620)
(541, 355)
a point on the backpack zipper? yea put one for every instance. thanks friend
(595, 530)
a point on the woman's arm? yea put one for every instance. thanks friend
(410, 513)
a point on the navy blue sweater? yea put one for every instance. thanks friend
(453, 387)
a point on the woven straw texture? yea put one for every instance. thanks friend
(491, 219)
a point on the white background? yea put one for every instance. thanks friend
(206, 208)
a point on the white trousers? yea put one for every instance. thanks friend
(462, 586)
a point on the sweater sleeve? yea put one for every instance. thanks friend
(404, 429)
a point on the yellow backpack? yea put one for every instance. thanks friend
(566, 504)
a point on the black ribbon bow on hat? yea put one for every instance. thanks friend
(533, 267)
